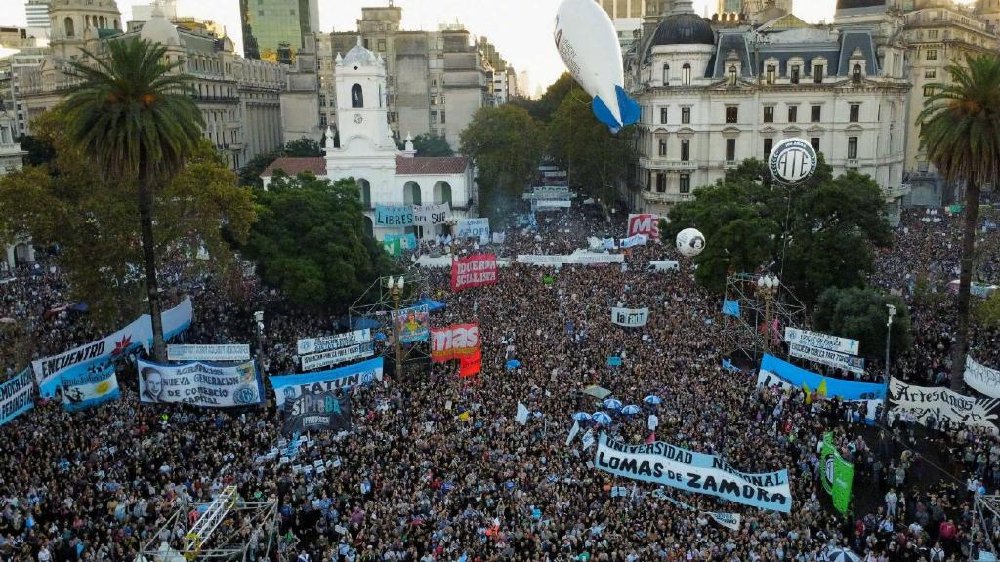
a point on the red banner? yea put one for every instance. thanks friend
(451, 342)
(470, 364)
(644, 224)
(473, 271)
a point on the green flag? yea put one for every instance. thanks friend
(837, 474)
(548, 279)
(392, 247)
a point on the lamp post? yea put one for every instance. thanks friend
(395, 286)
(258, 318)
(888, 342)
(767, 287)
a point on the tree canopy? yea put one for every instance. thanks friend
(432, 145)
(310, 242)
(862, 314)
(819, 234)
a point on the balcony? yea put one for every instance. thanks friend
(852, 163)
(657, 163)
(666, 198)
(730, 164)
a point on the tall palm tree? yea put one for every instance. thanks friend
(960, 128)
(132, 116)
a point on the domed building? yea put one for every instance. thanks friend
(712, 98)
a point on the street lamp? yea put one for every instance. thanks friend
(258, 318)
(767, 287)
(888, 342)
(395, 286)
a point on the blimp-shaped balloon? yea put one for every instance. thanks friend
(589, 48)
(690, 242)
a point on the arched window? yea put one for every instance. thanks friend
(686, 74)
(357, 99)
(732, 75)
(857, 72)
(411, 193)
(68, 26)
(365, 191)
(442, 192)
(117, 26)
(103, 22)
(665, 79)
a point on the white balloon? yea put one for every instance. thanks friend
(690, 242)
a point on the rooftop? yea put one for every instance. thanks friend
(428, 165)
(294, 166)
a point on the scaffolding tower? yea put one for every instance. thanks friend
(746, 331)
(378, 304)
(987, 517)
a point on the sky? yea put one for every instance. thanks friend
(520, 29)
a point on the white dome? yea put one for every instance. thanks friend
(159, 29)
(360, 56)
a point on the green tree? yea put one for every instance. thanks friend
(506, 144)
(301, 148)
(249, 174)
(432, 145)
(39, 151)
(862, 315)
(960, 129)
(544, 109)
(131, 116)
(815, 235)
(310, 243)
(595, 159)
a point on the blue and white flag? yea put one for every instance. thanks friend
(637, 240)
(290, 387)
(89, 389)
(16, 396)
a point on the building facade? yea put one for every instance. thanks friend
(267, 24)
(368, 152)
(436, 79)
(710, 100)
(12, 70)
(238, 98)
(36, 14)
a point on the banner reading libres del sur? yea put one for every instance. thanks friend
(140, 332)
(699, 473)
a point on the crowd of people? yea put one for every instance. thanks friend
(435, 466)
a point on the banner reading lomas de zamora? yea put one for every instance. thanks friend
(474, 271)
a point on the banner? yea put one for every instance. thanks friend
(470, 365)
(827, 357)
(406, 241)
(472, 228)
(637, 240)
(629, 317)
(15, 396)
(828, 387)
(551, 204)
(413, 323)
(337, 356)
(315, 345)
(698, 473)
(290, 387)
(836, 474)
(943, 404)
(426, 215)
(499, 237)
(200, 384)
(474, 271)
(93, 388)
(208, 352)
(644, 224)
(816, 339)
(139, 332)
(664, 265)
(767, 380)
(457, 340)
(982, 378)
(575, 259)
(393, 247)
(316, 411)
(728, 520)
(390, 215)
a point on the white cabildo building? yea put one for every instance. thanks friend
(713, 97)
(368, 153)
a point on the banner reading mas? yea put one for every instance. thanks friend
(452, 342)
(200, 384)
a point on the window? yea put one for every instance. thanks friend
(732, 114)
(817, 73)
(381, 44)
(685, 115)
(815, 143)
(857, 72)
(685, 183)
(928, 91)
(68, 25)
(662, 148)
(732, 75)
(816, 113)
(685, 150)
(661, 182)
(730, 150)
(665, 78)
(852, 147)
(663, 116)
(793, 113)
(357, 99)
(932, 74)
(932, 54)
(434, 117)
(768, 143)
(769, 114)
(770, 74)
(932, 34)
(649, 180)
(442, 117)
(686, 74)
(855, 112)
(795, 74)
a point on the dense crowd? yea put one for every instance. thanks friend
(435, 467)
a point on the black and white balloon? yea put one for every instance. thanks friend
(690, 242)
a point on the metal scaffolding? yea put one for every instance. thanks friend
(377, 304)
(746, 332)
(987, 514)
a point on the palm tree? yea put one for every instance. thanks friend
(960, 129)
(132, 117)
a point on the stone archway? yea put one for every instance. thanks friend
(411, 193)
(365, 193)
(442, 192)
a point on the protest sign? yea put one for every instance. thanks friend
(337, 356)
(16, 396)
(209, 352)
(315, 345)
(454, 341)
(315, 411)
(816, 339)
(942, 404)
(629, 317)
(200, 384)
(427, 215)
(582, 258)
(472, 228)
(827, 357)
(473, 271)
(767, 379)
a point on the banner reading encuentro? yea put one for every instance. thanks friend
(699, 473)
(474, 271)
(200, 384)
